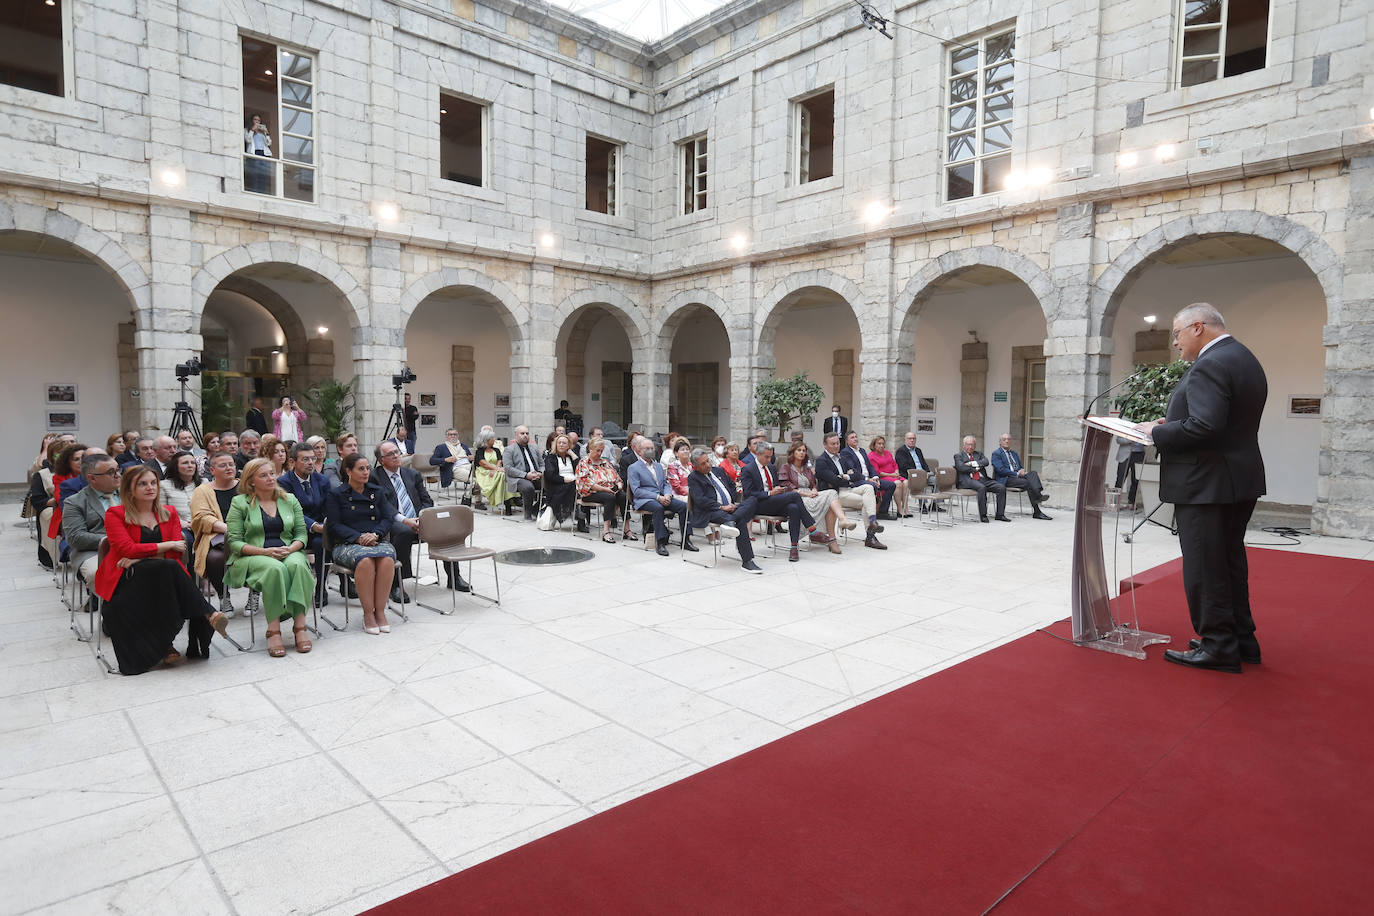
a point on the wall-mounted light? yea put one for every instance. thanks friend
(322, 330)
(268, 72)
(1151, 319)
(1128, 160)
(387, 212)
(547, 240)
(739, 241)
(876, 212)
(1164, 152)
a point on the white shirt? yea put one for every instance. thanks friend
(1210, 344)
(290, 429)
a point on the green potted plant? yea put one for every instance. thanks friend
(217, 409)
(331, 404)
(779, 401)
(1146, 398)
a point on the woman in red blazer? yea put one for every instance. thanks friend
(143, 580)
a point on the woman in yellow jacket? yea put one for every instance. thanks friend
(267, 538)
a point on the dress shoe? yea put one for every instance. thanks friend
(661, 550)
(750, 566)
(872, 541)
(984, 518)
(347, 589)
(1248, 656)
(877, 527)
(399, 595)
(849, 524)
(820, 537)
(1042, 516)
(792, 555)
(1201, 658)
(582, 527)
(462, 585)
(688, 546)
(1001, 518)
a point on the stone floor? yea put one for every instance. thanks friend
(332, 781)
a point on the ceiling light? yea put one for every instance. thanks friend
(876, 212)
(1128, 160)
(1014, 181)
(1039, 176)
(443, 111)
(388, 212)
(268, 72)
(739, 241)
(322, 330)
(1164, 152)
(50, 2)
(547, 240)
(1151, 319)
(170, 177)
(276, 351)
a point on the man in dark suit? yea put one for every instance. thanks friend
(911, 458)
(971, 466)
(856, 458)
(255, 419)
(406, 493)
(715, 501)
(760, 483)
(835, 424)
(1012, 474)
(310, 489)
(834, 473)
(1211, 469)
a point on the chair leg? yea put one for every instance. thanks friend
(338, 571)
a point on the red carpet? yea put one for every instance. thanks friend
(1051, 778)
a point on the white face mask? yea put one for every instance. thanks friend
(834, 413)
(720, 450)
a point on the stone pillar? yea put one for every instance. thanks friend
(532, 366)
(878, 406)
(379, 349)
(842, 383)
(128, 376)
(463, 370)
(316, 365)
(167, 331)
(653, 377)
(1152, 348)
(1345, 482)
(747, 368)
(973, 392)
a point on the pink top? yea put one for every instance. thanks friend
(299, 416)
(885, 463)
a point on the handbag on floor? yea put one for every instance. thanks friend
(545, 522)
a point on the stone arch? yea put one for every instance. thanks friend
(919, 288)
(293, 329)
(630, 316)
(217, 269)
(17, 216)
(514, 315)
(1111, 288)
(671, 315)
(768, 316)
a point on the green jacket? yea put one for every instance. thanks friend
(245, 523)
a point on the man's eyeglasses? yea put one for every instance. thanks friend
(112, 472)
(1178, 331)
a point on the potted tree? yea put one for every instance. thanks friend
(779, 401)
(331, 403)
(1146, 398)
(217, 409)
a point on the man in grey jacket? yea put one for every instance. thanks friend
(83, 513)
(524, 466)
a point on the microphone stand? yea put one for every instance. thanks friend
(1093, 402)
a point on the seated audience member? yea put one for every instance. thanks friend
(857, 458)
(310, 490)
(186, 442)
(42, 500)
(115, 447)
(274, 450)
(453, 459)
(669, 453)
(971, 467)
(403, 441)
(715, 501)
(911, 458)
(164, 447)
(574, 448)
(248, 447)
(833, 473)
(611, 452)
(747, 456)
(41, 461)
(146, 452)
(178, 484)
(66, 480)
(83, 516)
(345, 444)
(731, 462)
(524, 466)
(210, 505)
(320, 446)
(129, 455)
(628, 456)
(648, 485)
(598, 482)
(229, 442)
(267, 538)
(147, 592)
(560, 481)
(797, 475)
(360, 521)
(1012, 474)
(489, 473)
(760, 481)
(679, 466)
(203, 459)
(405, 490)
(717, 451)
(797, 436)
(885, 463)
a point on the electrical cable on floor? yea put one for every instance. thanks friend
(1289, 534)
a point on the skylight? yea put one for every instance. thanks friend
(646, 20)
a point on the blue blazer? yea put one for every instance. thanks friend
(850, 461)
(751, 479)
(706, 499)
(311, 495)
(1001, 467)
(440, 460)
(648, 481)
(827, 478)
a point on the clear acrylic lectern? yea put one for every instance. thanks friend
(1094, 624)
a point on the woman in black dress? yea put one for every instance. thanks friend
(560, 480)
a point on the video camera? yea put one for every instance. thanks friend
(189, 368)
(405, 378)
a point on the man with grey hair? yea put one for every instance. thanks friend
(716, 502)
(83, 513)
(1211, 469)
(145, 452)
(760, 483)
(523, 463)
(164, 447)
(248, 448)
(973, 472)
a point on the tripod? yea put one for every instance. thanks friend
(1149, 517)
(397, 418)
(183, 417)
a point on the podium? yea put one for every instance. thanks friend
(1094, 624)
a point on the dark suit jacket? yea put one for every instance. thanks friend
(311, 495)
(440, 460)
(850, 461)
(830, 479)
(965, 474)
(414, 484)
(1209, 443)
(124, 459)
(1001, 467)
(830, 425)
(752, 480)
(255, 420)
(705, 498)
(904, 463)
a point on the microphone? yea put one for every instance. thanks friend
(1128, 378)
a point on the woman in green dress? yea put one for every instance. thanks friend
(267, 538)
(490, 474)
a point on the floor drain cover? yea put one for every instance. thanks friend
(544, 556)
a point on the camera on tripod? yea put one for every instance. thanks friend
(189, 368)
(405, 378)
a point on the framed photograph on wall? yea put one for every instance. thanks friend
(1305, 405)
(501, 401)
(63, 421)
(925, 426)
(429, 419)
(502, 419)
(61, 393)
(429, 399)
(925, 404)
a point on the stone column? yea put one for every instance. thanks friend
(316, 365)
(463, 369)
(379, 349)
(973, 392)
(842, 383)
(877, 408)
(532, 366)
(167, 331)
(747, 368)
(1345, 483)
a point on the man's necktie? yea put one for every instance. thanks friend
(767, 479)
(402, 497)
(720, 490)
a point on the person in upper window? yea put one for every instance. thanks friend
(257, 147)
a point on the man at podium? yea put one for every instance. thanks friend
(1212, 471)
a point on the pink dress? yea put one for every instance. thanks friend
(885, 463)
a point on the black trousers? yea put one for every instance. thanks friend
(612, 502)
(740, 519)
(984, 487)
(403, 539)
(1030, 483)
(790, 505)
(1216, 574)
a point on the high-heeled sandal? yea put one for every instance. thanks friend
(303, 643)
(275, 649)
(371, 630)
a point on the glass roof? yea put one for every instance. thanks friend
(646, 20)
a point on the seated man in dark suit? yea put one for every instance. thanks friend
(406, 493)
(971, 466)
(760, 483)
(310, 489)
(911, 458)
(1012, 474)
(716, 502)
(857, 459)
(833, 473)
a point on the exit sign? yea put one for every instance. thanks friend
(999, 397)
